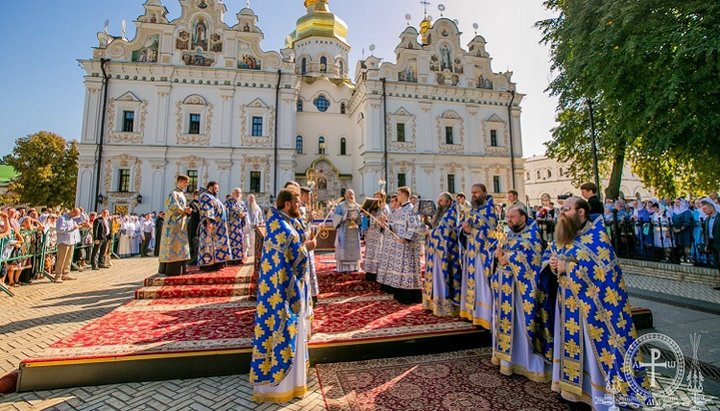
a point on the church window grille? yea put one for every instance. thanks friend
(496, 184)
(321, 145)
(299, 144)
(255, 178)
(303, 66)
(128, 121)
(257, 126)
(299, 105)
(322, 103)
(193, 183)
(194, 127)
(451, 183)
(343, 146)
(493, 138)
(124, 180)
(400, 132)
(449, 135)
(343, 108)
(401, 178)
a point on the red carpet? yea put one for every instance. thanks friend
(213, 311)
(455, 381)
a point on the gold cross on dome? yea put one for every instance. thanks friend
(425, 3)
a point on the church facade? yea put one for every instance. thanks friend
(198, 96)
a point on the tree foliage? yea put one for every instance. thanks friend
(47, 169)
(650, 68)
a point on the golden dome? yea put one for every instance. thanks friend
(425, 26)
(318, 22)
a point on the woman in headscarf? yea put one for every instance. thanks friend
(126, 229)
(698, 241)
(682, 225)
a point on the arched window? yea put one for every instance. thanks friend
(343, 108)
(527, 176)
(321, 145)
(341, 67)
(549, 173)
(538, 174)
(323, 64)
(303, 66)
(322, 103)
(343, 146)
(299, 144)
(299, 105)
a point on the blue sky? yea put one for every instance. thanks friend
(43, 83)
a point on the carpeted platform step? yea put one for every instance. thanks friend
(227, 275)
(194, 291)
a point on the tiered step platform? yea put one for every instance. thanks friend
(201, 324)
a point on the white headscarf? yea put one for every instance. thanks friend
(708, 200)
(684, 206)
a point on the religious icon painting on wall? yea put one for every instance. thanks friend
(148, 53)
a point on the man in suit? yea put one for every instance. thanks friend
(159, 221)
(101, 238)
(589, 193)
(711, 228)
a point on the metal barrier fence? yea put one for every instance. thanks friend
(36, 253)
(650, 241)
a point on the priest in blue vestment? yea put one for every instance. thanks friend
(278, 369)
(214, 243)
(443, 272)
(593, 325)
(237, 214)
(516, 311)
(475, 294)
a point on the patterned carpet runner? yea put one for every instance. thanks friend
(455, 381)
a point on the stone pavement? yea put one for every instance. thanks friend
(43, 313)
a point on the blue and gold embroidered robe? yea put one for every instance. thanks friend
(442, 266)
(214, 243)
(174, 246)
(477, 254)
(524, 252)
(281, 288)
(237, 221)
(592, 298)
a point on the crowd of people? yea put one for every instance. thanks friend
(558, 310)
(666, 229)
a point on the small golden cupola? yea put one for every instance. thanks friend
(318, 22)
(425, 26)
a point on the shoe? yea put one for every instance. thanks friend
(95, 268)
(58, 280)
(104, 266)
(68, 278)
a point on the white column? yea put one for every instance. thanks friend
(163, 114)
(226, 116)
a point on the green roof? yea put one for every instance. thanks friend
(7, 173)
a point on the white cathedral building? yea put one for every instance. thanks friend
(198, 96)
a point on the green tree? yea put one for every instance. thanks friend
(47, 169)
(650, 68)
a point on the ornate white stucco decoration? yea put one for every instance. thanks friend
(451, 119)
(193, 104)
(126, 102)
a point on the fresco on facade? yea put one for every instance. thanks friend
(216, 43)
(249, 62)
(148, 53)
(197, 59)
(183, 41)
(200, 36)
(410, 72)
